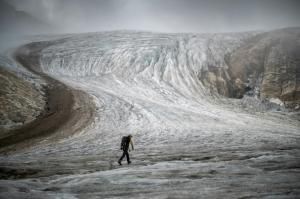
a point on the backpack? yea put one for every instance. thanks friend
(124, 142)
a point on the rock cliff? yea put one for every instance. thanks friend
(266, 66)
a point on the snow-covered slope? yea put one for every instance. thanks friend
(190, 142)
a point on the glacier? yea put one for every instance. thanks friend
(190, 140)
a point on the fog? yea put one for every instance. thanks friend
(162, 15)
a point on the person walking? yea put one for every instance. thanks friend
(126, 141)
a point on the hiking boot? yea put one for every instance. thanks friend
(129, 162)
(119, 162)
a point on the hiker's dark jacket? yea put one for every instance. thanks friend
(126, 142)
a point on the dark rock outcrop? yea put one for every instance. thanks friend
(270, 63)
(266, 65)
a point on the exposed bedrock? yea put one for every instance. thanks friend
(268, 66)
(20, 100)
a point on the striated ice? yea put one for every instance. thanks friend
(190, 143)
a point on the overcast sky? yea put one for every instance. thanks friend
(164, 15)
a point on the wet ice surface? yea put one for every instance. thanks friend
(188, 143)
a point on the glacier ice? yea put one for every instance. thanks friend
(189, 141)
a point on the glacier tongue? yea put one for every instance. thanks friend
(175, 60)
(189, 142)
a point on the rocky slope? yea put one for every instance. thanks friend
(268, 63)
(265, 66)
(22, 97)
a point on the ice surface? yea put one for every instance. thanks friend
(190, 143)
